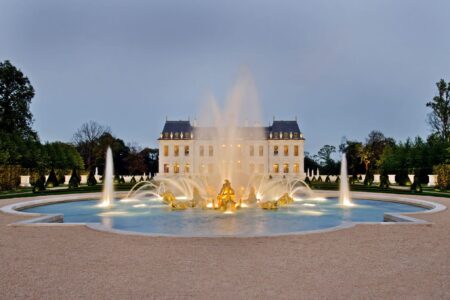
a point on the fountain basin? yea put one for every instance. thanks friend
(157, 219)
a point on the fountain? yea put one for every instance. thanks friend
(344, 188)
(108, 180)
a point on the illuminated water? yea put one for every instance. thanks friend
(156, 218)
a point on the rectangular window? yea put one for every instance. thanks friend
(296, 150)
(202, 150)
(286, 150)
(296, 169)
(186, 150)
(210, 168)
(166, 150)
(166, 168)
(176, 168)
(176, 150)
(276, 168)
(285, 168)
(187, 167)
(252, 150)
(275, 150)
(261, 150)
(210, 150)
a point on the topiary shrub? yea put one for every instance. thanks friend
(141, 179)
(121, 180)
(52, 180)
(91, 181)
(338, 180)
(133, 180)
(416, 187)
(75, 179)
(116, 179)
(327, 179)
(319, 179)
(401, 177)
(368, 181)
(39, 184)
(384, 181)
(314, 179)
(307, 181)
(360, 177)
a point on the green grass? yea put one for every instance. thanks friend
(427, 191)
(26, 192)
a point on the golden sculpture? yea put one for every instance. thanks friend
(170, 199)
(226, 198)
(269, 205)
(285, 200)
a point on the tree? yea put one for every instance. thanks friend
(325, 152)
(86, 139)
(16, 93)
(439, 117)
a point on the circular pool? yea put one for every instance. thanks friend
(155, 218)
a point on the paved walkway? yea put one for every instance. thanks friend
(366, 261)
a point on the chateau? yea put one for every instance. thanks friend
(275, 150)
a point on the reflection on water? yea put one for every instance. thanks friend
(153, 217)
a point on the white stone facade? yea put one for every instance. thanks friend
(267, 155)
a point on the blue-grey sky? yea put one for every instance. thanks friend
(343, 67)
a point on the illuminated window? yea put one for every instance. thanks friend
(276, 168)
(166, 150)
(285, 135)
(186, 168)
(296, 150)
(296, 169)
(275, 150)
(210, 168)
(286, 150)
(166, 168)
(252, 150)
(251, 168)
(176, 150)
(176, 135)
(261, 150)
(186, 150)
(285, 168)
(210, 150)
(202, 150)
(176, 168)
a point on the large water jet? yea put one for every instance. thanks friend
(344, 189)
(108, 180)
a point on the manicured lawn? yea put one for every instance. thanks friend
(26, 192)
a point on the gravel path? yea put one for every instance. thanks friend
(366, 261)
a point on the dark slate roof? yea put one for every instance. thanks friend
(285, 126)
(278, 130)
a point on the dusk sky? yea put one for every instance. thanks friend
(343, 68)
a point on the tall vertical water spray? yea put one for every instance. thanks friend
(108, 180)
(344, 189)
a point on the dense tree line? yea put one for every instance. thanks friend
(383, 155)
(21, 151)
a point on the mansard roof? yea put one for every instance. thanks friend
(278, 130)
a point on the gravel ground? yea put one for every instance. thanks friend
(366, 261)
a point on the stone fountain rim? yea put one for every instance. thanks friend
(57, 219)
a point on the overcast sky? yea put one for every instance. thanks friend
(342, 67)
